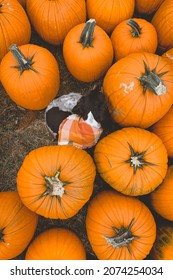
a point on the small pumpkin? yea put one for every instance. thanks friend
(161, 199)
(163, 245)
(56, 244)
(15, 25)
(139, 89)
(119, 227)
(30, 76)
(109, 13)
(17, 225)
(92, 51)
(147, 7)
(133, 35)
(52, 20)
(163, 22)
(56, 181)
(164, 129)
(131, 160)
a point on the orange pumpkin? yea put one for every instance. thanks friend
(119, 227)
(163, 22)
(56, 244)
(15, 26)
(133, 35)
(108, 13)
(139, 89)
(92, 51)
(131, 160)
(17, 225)
(168, 55)
(30, 76)
(163, 245)
(52, 20)
(162, 198)
(147, 7)
(56, 181)
(164, 129)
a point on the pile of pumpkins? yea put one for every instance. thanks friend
(113, 41)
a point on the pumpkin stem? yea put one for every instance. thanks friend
(55, 185)
(150, 80)
(1, 235)
(136, 29)
(86, 37)
(24, 63)
(122, 237)
(137, 159)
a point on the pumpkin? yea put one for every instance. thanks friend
(119, 227)
(17, 225)
(92, 51)
(139, 89)
(131, 160)
(162, 198)
(168, 55)
(15, 25)
(147, 7)
(164, 129)
(56, 181)
(23, 3)
(56, 244)
(163, 22)
(133, 35)
(163, 245)
(30, 76)
(108, 13)
(52, 20)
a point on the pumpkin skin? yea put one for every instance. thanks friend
(147, 6)
(109, 13)
(56, 244)
(17, 225)
(52, 20)
(56, 181)
(168, 55)
(131, 160)
(139, 89)
(34, 84)
(15, 26)
(163, 22)
(119, 227)
(163, 245)
(164, 129)
(92, 51)
(162, 198)
(133, 35)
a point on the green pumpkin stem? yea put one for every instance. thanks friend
(152, 81)
(122, 237)
(86, 37)
(136, 29)
(24, 63)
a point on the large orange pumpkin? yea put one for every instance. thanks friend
(14, 24)
(133, 35)
(163, 245)
(131, 160)
(56, 181)
(161, 199)
(163, 22)
(52, 20)
(17, 225)
(108, 13)
(56, 244)
(119, 227)
(139, 89)
(164, 129)
(30, 76)
(87, 51)
(147, 7)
